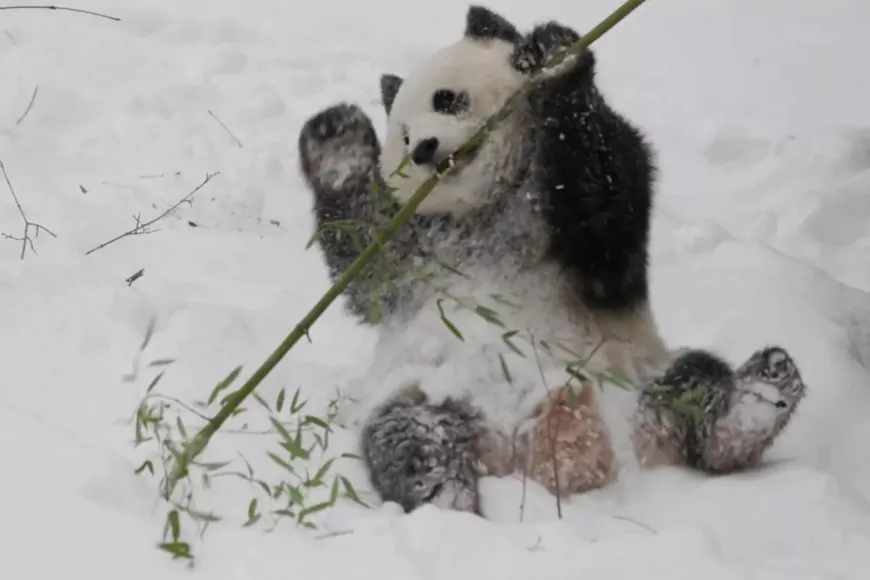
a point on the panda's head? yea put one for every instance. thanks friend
(442, 103)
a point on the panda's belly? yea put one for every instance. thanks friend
(500, 342)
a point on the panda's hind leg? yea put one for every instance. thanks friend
(676, 409)
(767, 391)
(418, 452)
(571, 450)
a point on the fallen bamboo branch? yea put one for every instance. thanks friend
(232, 402)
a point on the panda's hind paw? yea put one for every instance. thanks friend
(774, 366)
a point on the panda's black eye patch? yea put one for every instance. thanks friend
(450, 102)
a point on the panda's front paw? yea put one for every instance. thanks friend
(337, 145)
(541, 44)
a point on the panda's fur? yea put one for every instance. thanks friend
(547, 226)
(728, 417)
(481, 67)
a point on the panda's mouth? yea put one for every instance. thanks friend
(456, 167)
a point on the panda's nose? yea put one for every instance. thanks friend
(425, 151)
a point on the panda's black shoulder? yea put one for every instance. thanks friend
(597, 172)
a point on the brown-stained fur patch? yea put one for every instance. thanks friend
(570, 429)
(656, 441)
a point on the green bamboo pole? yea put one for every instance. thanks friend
(199, 442)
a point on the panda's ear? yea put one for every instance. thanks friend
(484, 24)
(389, 88)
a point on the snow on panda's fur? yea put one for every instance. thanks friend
(546, 227)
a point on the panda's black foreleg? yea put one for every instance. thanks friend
(417, 452)
(338, 155)
(597, 171)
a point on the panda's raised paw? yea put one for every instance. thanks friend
(336, 144)
(541, 44)
(343, 122)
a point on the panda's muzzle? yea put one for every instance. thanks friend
(425, 151)
(430, 152)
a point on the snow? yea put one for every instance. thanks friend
(761, 234)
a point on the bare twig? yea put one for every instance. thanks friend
(227, 129)
(142, 227)
(160, 176)
(526, 460)
(79, 10)
(335, 534)
(25, 238)
(538, 545)
(550, 434)
(29, 106)
(180, 403)
(118, 185)
(637, 523)
(136, 275)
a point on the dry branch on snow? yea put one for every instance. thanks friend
(25, 239)
(142, 227)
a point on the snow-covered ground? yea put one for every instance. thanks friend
(762, 234)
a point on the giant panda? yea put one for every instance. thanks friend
(516, 291)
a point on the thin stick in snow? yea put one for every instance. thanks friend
(29, 106)
(525, 478)
(227, 129)
(79, 10)
(550, 433)
(336, 534)
(142, 227)
(635, 522)
(25, 238)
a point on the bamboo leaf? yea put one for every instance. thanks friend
(447, 322)
(154, 382)
(224, 384)
(145, 465)
(253, 515)
(179, 550)
(350, 492)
